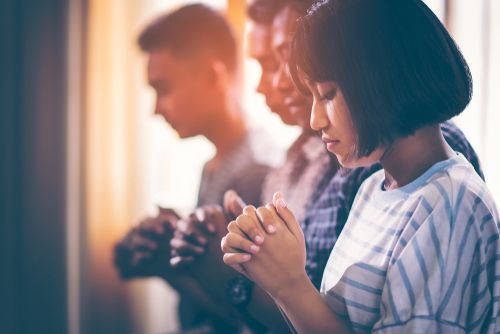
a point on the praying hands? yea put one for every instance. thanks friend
(267, 245)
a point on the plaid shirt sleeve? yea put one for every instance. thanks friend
(326, 215)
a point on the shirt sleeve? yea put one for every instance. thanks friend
(442, 276)
(248, 184)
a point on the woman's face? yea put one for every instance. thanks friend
(331, 117)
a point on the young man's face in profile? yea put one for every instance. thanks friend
(259, 48)
(181, 94)
(283, 28)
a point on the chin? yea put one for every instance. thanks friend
(347, 163)
(181, 134)
(185, 135)
(354, 162)
(288, 120)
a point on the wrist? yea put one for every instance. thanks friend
(239, 290)
(295, 287)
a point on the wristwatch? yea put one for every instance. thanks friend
(239, 291)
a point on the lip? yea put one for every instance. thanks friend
(330, 143)
(327, 140)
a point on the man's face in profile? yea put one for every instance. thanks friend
(283, 28)
(259, 48)
(181, 97)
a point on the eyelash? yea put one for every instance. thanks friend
(329, 96)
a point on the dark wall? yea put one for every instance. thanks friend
(32, 154)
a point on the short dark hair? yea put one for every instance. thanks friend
(190, 31)
(397, 66)
(264, 11)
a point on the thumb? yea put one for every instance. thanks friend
(286, 214)
(233, 203)
(167, 212)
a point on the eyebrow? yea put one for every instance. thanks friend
(157, 81)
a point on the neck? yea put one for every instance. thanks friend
(408, 158)
(231, 128)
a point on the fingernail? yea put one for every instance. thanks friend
(211, 228)
(271, 228)
(202, 240)
(246, 257)
(254, 248)
(282, 203)
(259, 239)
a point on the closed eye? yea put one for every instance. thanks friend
(330, 95)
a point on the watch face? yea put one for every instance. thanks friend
(239, 291)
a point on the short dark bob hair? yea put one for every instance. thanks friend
(192, 30)
(398, 68)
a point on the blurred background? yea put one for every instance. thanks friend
(83, 157)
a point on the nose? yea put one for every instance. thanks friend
(319, 119)
(281, 79)
(157, 110)
(263, 86)
(162, 110)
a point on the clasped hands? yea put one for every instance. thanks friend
(141, 252)
(166, 244)
(267, 245)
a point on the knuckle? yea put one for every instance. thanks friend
(261, 210)
(244, 223)
(178, 234)
(231, 226)
(240, 220)
(249, 209)
(232, 241)
(254, 231)
(229, 238)
(200, 214)
(212, 209)
(175, 243)
(270, 207)
(263, 214)
(188, 232)
(182, 225)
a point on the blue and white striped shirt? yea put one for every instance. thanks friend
(419, 259)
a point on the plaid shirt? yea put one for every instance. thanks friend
(331, 202)
(305, 164)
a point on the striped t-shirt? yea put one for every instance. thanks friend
(422, 258)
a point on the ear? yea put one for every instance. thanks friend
(218, 74)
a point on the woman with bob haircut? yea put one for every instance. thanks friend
(420, 250)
